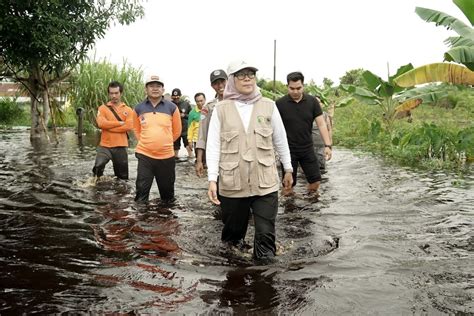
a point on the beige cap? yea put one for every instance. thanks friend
(237, 65)
(153, 78)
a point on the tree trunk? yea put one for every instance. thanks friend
(46, 106)
(35, 131)
(38, 125)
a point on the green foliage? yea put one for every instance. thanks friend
(437, 138)
(41, 41)
(353, 77)
(327, 83)
(89, 83)
(56, 35)
(10, 112)
(266, 87)
(376, 91)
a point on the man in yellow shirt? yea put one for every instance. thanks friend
(194, 118)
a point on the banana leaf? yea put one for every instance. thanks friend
(437, 72)
(362, 94)
(408, 105)
(467, 7)
(462, 55)
(458, 41)
(441, 18)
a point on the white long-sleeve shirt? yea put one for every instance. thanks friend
(280, 142)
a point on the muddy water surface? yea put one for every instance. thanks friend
(379, 240)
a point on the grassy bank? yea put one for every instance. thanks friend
(438, 137)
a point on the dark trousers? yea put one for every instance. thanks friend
(235, 215)
(163, 170)
(119, 158)
(177, 143)
(309, 163)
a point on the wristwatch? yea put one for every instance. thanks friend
(328, 146)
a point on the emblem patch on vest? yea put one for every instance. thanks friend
(263, 119)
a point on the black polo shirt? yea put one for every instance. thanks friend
(298, 119)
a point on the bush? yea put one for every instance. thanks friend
(10, 112)
(438, 138)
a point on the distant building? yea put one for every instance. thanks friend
(13, 90)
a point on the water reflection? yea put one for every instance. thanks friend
(244, 291)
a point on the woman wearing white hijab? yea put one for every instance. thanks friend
(245, 131)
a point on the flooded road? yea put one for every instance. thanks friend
(380, 240)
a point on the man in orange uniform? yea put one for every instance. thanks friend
(114, 119)
(157, 125)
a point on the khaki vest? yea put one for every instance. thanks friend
(247, 160)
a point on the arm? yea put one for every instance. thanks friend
(137, 127)
(203, 128)
(323, 129)
(213, 156)
(329, 125)
(176, 124)
(280, 142)
(103, 122)
(199, 166)
(127, 125)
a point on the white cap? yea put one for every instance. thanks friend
(239, 65)
(153, 78)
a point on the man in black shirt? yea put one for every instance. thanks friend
(184, 109)
(298, 110)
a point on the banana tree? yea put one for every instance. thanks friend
(461, 47)
(461, 50)
(324, 96)
(385, 94)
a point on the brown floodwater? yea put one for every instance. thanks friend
(381, 239)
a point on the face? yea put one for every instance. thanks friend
(200, 101)
(219, 86)
(295, 90)
(154, 90)
(115, 95)
(245, 81)
(175, 98)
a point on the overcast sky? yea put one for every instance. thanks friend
(182, 41)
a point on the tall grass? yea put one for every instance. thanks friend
(89, 83)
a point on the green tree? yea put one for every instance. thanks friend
(327, 83)
(353, 77)
(41, 41)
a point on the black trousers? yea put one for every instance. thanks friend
(163, 170)
(119, 158)
(235, 215)
(177, 143)
(308, 162)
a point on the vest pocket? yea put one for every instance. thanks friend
(229, 176)
(230, 142)
(263, 138)
(267, 173)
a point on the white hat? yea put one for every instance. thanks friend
(239, 65)
(153, 78)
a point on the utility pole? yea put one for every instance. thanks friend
(274, 67)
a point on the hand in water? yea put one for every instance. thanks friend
(199, 168)
(212, 193)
